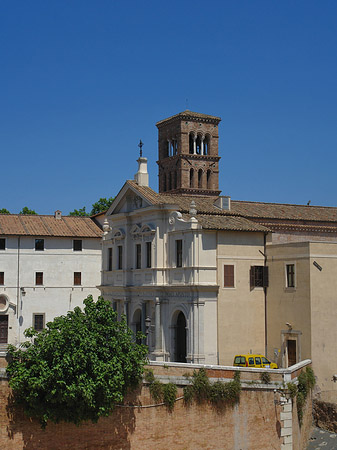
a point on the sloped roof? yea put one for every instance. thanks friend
(268, 215)
(39, 225)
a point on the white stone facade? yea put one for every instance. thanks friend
(44, 283)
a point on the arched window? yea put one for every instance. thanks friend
(200, 178)
(191, 178)
(198, 145)
(191, 143)
(208, 179)
(206, 145)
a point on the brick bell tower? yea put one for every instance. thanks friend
(188, 154)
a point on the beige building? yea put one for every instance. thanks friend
(206, 277)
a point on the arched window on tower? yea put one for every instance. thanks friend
(200, 178)
(198, 145)
(191, 178)
(208, 179)
(206, 145)
(191, 143)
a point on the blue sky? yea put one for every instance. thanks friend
(82, 81)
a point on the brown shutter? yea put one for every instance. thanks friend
(252, 276)
(228, 275)
(265, 277)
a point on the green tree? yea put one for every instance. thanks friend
(78, 367)
(102, 205)
(79, 212)
(4, 211)
(27, 211)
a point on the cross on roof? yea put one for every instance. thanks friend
(140, 145)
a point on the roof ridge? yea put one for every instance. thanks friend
(282, 204)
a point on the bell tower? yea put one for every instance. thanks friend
(188, 154)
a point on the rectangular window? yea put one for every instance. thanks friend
(39, 278)
(77, 278)
(38, 322)
(138, 256)
(39, 244)
(149, 255)
(228, 275)
(290, 271)
(110, 258)
(77, 245)
(179, 253)
(259, 276)
(2, 244)
(120, 257)
(2, 278)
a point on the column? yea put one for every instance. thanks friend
(158, 346)
(194, 145)
(202, 144)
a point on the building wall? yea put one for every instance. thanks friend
(241, 315)
(58, 294)
(288, 305)
(257, 422)
(309, 308)
(323, 285)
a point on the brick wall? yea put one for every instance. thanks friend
(254, 423)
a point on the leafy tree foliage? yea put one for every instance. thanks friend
(103, 204)
(78, 367)
(79, 212)
(4, 211)
(27, 211)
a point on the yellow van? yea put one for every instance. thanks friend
(253, 361)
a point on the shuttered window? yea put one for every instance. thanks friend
(259, 276)
(290, 269)
(77, 278)
(39, 278)
(228, 275)
(179, 253)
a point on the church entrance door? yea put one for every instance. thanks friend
(180, 338)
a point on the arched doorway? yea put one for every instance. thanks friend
(180, 339)
(137, 323)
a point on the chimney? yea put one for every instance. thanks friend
(58, 214)
(223, 202)
(142, 176)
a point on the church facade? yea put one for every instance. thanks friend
(205, 277)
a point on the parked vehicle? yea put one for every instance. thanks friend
(253, 361)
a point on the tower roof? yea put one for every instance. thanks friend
(190, 116)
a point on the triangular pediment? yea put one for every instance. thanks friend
(128, 199)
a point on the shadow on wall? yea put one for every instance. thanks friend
(109, 433)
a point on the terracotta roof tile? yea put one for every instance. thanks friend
(229, 223)
(257, 211)
(36, 225)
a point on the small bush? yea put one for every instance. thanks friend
(169, 395)
(265, 377)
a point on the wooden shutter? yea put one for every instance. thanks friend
(265, 276)
(252, 276)
(228, 275)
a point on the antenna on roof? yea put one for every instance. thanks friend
(140, 145)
